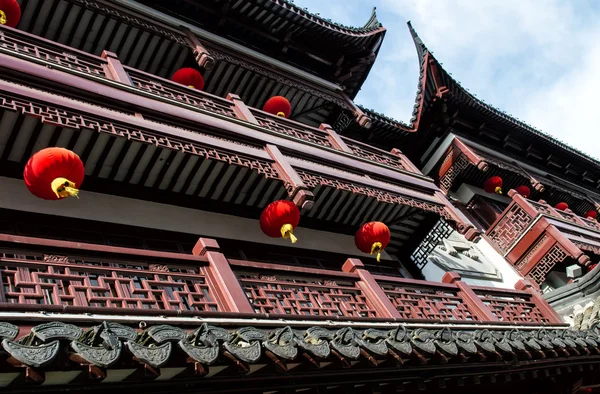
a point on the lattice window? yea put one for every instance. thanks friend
(516, 308)
(305, 296)
(512, 225)
(440, 231)
(459, 164)
(555, 255)
(431, 304)
(91, 283)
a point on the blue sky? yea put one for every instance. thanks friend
(538, 60)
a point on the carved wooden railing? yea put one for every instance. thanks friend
(59, 276)
(535, 237)
(108, 67)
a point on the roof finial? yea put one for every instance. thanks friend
(421, 48)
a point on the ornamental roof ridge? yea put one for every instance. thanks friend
(372, 23)
(422, 51)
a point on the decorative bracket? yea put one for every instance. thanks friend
(296, 188)
(203, 57)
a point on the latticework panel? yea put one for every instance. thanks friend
(512, 225)
(366, 152)
(174, 91)
(555, 255)
(45, 51)
(305, 296)
(292, 129)
(459, 164)
(428, 303)
(531, 252)
(440, 231)
(509, 307)
(59, 280)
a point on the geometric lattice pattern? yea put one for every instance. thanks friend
(510, 228)
(459, 163)
(514, 308)
(555, 255)
(173, 91)
(430, 304)
(57, 280)
(305, 296)
(292, 129)
(366, 152)
(79, 61)
(523, 261)
(440, 231)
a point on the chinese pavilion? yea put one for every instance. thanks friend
(191, 202)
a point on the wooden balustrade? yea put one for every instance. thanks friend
(66, 276)
(23, 45)
(535, 237)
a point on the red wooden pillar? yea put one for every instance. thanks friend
(225, 284)
(471, 299)
(371, 289)
(540, 302)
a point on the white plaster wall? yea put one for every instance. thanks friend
(112, 209)
(435, 273)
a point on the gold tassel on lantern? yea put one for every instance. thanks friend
(287, 231)
(63, 187)
(376, 248)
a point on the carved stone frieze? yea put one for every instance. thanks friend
(457, 254)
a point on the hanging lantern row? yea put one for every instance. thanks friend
(10, 13)
(280, 218)
(494, 185)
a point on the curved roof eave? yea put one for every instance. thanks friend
(462, 94)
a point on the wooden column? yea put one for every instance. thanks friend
(241, 109)
(202, 55)
(468, 295)
(297, 190)
(371, 289)
(540, 302)
(337, 141)
(226, 285)
(114, 68)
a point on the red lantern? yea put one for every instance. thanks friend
(279, 219)
(279, 106)
(562, 206)
(54, 173)
(493, 185)
(10, 13)
(372, 238)
(189, 77)
(523, 191)
(591, 215)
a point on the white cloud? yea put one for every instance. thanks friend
(536, 59)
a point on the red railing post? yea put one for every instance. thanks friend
(226, 285)
(371, 289)
(468, 295)
(115, 69)
(241, 109)
(336, 141)
(540, 302)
